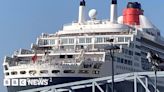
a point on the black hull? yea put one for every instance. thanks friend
(120, 87)
(54, 81)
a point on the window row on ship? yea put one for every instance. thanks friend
(124, 68)
(33, 72)
(147, 48)
(124, 61)
(82, 40)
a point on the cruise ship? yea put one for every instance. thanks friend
(83, 50)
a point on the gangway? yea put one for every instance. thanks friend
(143, 78)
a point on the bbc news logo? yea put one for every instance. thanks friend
(27, 82)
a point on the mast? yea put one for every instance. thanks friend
(82, 12)
(113, 11)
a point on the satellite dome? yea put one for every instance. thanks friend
(120, 19)
(92, 13)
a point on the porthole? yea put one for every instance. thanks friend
(55, 71)
(14, 73)
(32, 72)
(7, 73)
(62, 56)
(69, 71)
(69, 56)
(84, 71)
(95, 72)
(44, 71)
(22, 72)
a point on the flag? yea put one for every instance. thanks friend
(34, 58)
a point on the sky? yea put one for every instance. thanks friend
(22, 21)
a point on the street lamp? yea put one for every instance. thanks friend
(155, 60)
(111, 48)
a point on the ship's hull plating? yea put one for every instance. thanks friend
(51, 81)
(119, 87)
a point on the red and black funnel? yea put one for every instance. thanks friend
(131, 13)
(82, 2)
(114, 2)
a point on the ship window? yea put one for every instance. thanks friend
(52, 42)
(138, 54)
(158, 33)
(131, 45)
(97, 65)
(44, 71)
(82, 47)
(129, 62)
(130, 52)
(87, 65)
(106, 39)
(120, 39)
(69, 56)
(123, 50)
(6, 68)
(45, 42)
(99, 40)
(69, 71)
(127, 39)
(64, 41)
(81, 40)
(62, 56)
(55, 71)
(32, 72)
(7, 73)
(122, 60)
(138, 47)
(22, 72)
(126, 61)
(118, 60)
(88, 40)
(137, 39)
(84, 71)
(95, 72)
(126, 51)
(71, 41)
(62, 47)
(14, 73)
(144, 53)
(107, 57)
(40, 42)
